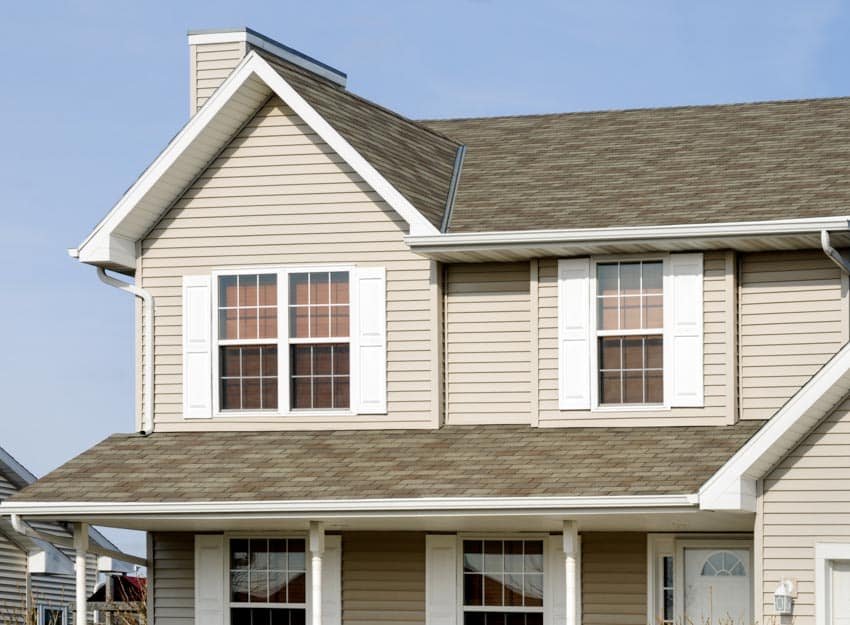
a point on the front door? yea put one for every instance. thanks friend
(840, 593)
(718, 585)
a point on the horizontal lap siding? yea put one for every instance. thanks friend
(211, 63)
(613, 578)
(278, 195)
(13, 566)
(717, 357)
(488, 349)
(806, 500)
(174, 579)
(792, 320)
(383, 578)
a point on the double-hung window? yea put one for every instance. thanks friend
(502, 582)
(268, 581)
(630, 332)
(289, 349)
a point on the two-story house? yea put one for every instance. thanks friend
(552, 369)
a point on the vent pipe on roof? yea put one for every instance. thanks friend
(834, 255)
(147, 338)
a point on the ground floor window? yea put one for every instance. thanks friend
(502, 582)
(51, 615)
(268, 581)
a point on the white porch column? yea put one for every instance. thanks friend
(81, 547)
(317, 550)
(571, 553)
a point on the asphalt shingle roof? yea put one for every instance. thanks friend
(685, 165)
(454, 461)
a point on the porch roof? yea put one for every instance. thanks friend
(454, 461)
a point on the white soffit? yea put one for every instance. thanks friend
(252, 82)
(733, 486)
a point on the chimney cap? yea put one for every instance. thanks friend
(259, 40)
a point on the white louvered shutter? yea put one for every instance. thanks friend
(574, 341)
(209, 579)
(197, 348)
(441, 579)
(370, 333)
(684, 330)
(332, 581)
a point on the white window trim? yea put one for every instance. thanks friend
(228, 536)
(497, 536)
(282, 341)
(42, 607)
(825, 555)
(594, 338)
(659, 545)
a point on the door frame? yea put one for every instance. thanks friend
(825, 555)
(713, 543)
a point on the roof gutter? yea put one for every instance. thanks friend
(833, 253)
(25, 529)
(148, 304)
(526, 238)
(330, 508)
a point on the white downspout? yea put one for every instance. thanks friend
(148, 303)
(833, 253)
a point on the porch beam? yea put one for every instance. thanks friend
(81, 546)
(571, 555)
(317, 551)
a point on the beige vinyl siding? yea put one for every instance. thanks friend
(210, 64)
(383, 578)
(613, 578)
(793, 318)
(174, 578)
(488, 343)
(278, 195)
(718, 357)
(805, 500)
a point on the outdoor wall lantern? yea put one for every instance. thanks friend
(783, 597)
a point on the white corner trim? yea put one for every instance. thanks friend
(100, 245)
(825, 554)
(732, 487)
(424, 506)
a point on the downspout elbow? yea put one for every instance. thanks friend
(148, 312)
(833, 253)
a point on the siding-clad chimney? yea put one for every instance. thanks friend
(213, 54)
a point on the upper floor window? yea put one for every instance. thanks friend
(630, 332)
(285, 340)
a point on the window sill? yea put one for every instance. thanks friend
(631, 408)
(283, 415)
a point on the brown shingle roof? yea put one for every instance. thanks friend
(454, 461)
(686, 165)
(418, 161)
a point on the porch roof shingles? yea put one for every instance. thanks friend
(454, 461)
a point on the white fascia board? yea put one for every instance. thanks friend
(425, 506)
(100, 247)
(732, 487)
(244, 35)
(520, 238)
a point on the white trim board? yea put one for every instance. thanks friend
(250, 84)
(733, 486)
(825, 555)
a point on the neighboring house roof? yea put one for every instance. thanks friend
(417, 160)
(684, 165)
(455, 461)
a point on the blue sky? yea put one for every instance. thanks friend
(92, 90)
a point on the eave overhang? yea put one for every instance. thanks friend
(752, 236)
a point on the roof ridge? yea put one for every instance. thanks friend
(673, 107)
(415, 123)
